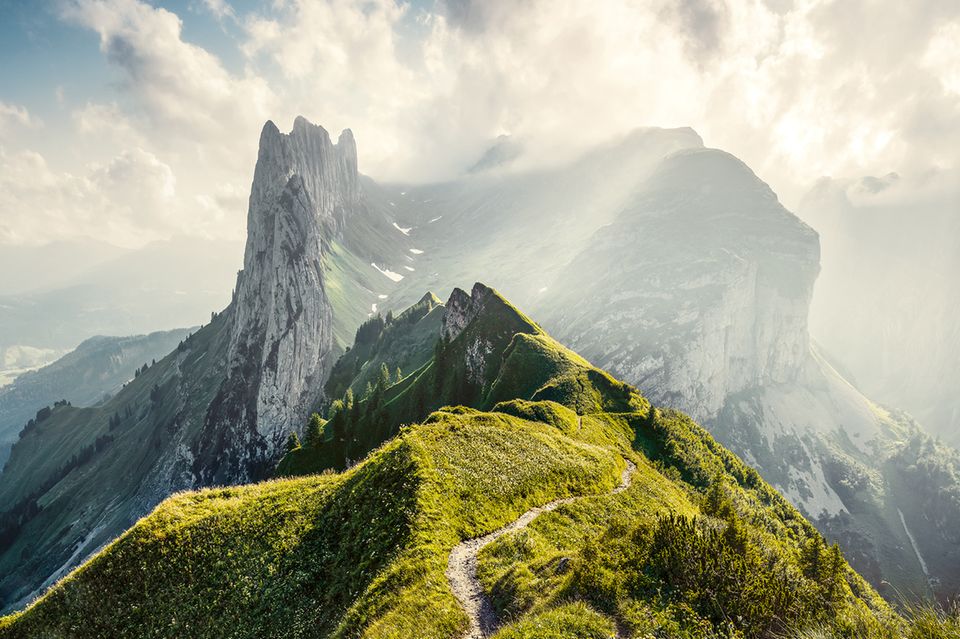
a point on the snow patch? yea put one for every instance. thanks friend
(434, 219)
(810, 490)
(396, 277)
(409, 268)
(416, 251)
(542, 290)
(373, 308)
(382, 296)
(401, 229)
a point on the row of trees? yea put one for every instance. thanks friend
(143, 369)
(345, 415)
(42, 415)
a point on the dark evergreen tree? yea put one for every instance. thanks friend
(383, 381)
(293, 441)
(354, 410)
(314, 433)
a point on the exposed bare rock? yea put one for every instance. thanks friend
(281, 344)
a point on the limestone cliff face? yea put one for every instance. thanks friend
(698, 290)
(281, 343)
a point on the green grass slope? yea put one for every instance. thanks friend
(697, 546)
(71, 477)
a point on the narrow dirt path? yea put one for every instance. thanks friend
(462, 564)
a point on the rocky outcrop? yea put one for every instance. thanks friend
(215, 410)
(461, 308)
(697, 291)
(281, 343)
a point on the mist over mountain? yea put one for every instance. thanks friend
(25, 269)
(164, 284)
(885, 303)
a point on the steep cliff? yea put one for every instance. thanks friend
(699, 293)
(281, 342)
(699, 289)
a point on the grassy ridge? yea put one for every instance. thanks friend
(698, 546)
(329, 555)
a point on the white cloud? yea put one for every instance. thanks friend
(179, 89)
(13, 116)
(106, 120)
(220, 9)
(782, 84)
(128, 201)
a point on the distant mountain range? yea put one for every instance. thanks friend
(111, 291)
(670, 265)
(90, 374)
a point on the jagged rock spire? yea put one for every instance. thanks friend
(304, 189)
(461, 308)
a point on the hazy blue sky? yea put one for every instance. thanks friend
(131, 120)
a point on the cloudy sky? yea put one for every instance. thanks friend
(131, 121)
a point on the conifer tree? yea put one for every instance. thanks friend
(313, 434)
(384, 380)
(716, 502)
(293, 441)
(354, 409)
(338, 415)
(348, 402)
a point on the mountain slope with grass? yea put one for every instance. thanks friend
(696, 545)
(89, 374)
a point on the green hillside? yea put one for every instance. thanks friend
(73, 470)
(697, 545)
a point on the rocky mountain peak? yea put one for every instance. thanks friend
(328, 171)
(461, 308)
(305, 189)
(710, 168)
(429, 299)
